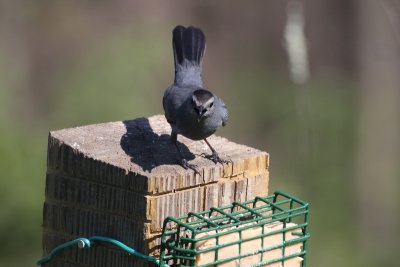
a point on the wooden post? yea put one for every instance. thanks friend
(120, 180)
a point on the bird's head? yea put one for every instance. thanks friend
(203, 103)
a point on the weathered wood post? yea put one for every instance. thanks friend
(120, 180)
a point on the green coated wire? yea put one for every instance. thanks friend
(59, 248)
(87, 242)
(278, 207)
(183, 255)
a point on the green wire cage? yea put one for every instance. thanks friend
(267, 231)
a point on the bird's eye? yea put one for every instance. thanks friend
(212, 104)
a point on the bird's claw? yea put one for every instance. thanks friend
(216, 159)
(187, 165)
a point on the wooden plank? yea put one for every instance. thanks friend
(139, 154)
(120, 180)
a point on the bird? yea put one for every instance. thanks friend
(190, 109)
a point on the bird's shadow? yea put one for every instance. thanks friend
(148, 149)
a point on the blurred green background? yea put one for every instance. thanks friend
(333, 131)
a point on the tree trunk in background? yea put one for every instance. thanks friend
(379, 130)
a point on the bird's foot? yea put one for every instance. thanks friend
(187, 165)
(216, 159)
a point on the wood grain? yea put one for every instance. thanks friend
(121, 180)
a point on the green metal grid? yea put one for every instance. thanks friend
(181, 235)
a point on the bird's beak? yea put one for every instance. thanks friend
(200, 115)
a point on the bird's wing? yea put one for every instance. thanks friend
(224, 112)
(166, 106)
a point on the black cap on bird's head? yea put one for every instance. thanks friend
(203, 103)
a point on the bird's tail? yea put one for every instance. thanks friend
(189, 45)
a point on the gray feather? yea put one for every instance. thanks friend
(189, 45)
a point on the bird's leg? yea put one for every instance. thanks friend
(214, 156)
(182, 161)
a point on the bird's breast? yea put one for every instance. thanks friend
(197, 130)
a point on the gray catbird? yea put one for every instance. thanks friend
(191, 110)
